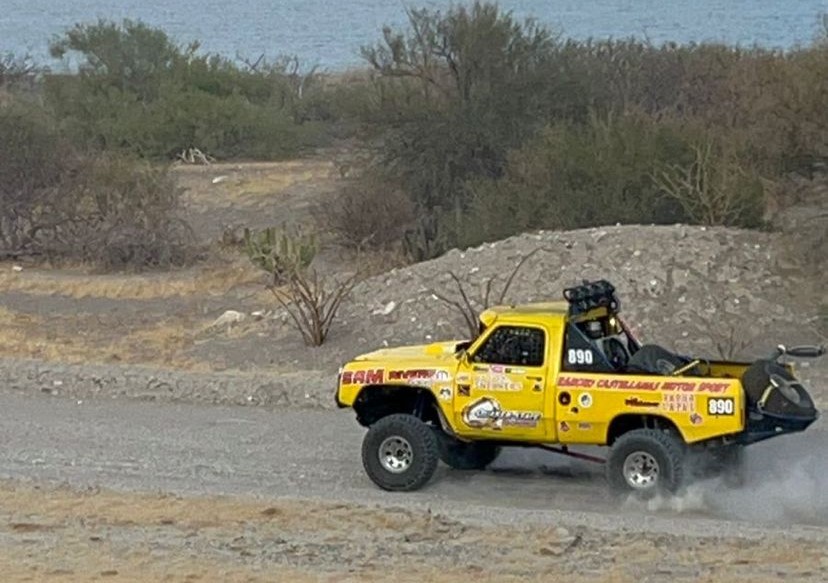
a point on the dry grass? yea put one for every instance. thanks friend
(65, 339)
(251, 180)
(214, 280)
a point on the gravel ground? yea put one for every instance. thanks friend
(255, 495)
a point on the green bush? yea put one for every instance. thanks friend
(137, 91)
(608, 172)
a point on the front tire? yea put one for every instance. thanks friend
(646, 462)
(464, 455)
(400, 453)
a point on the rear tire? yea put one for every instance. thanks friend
(400, 453)
(646, 462)
(464, 455)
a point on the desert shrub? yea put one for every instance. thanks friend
(367, 215)
(17, 72)
(713, 189)
(572, 176)
(127, 215)
(456, 91)
(35, 165)
(138, 91)
(629, 169)
(62, 203)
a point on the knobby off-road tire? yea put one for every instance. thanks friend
(646, 462)
(463, 455)
(400, 453)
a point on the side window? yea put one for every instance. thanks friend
(513, 345)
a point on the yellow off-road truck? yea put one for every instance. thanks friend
(566, 373)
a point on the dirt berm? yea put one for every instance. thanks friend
(711, 292)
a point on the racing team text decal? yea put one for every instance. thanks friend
(636, 385)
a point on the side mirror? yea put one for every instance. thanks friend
(464, 357)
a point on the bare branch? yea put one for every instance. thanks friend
(469, 308)
(312, 304)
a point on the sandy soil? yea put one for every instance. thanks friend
(56, 534)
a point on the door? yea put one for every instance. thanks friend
(500, 386)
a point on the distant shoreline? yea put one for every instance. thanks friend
(332, 43)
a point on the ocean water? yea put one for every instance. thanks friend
(329, 33)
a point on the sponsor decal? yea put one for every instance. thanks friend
(488, 413)
(585, 400)
(496, 382)
(678, 403)
(720, 406)
(463, 378)
(445, 393)
(564, 398)
(566, 381)
(636, 402)
(627, 384)
(696, 419)
(564, 426)
(639, 385)
(584, 426)
(419, 376)
(363, 377)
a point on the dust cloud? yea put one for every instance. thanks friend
(785, 482)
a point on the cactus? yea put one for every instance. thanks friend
(425, 241)
(279, 252)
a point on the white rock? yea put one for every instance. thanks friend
(229, 318)
(17, 268)
(258, 314)
(386, 309)
(219, 179)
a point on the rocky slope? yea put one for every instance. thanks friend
(712, 292)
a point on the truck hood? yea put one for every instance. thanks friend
(436, 351)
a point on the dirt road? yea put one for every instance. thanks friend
(271, 495)
(190, 449)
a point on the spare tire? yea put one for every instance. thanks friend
(653, 359)
(770, 384)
